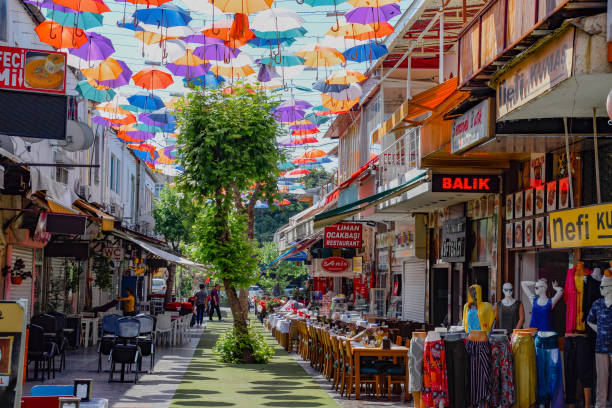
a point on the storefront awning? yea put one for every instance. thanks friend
(296, 248)
(419, 104)
(340, 213)
(160, 252)
(108, 221)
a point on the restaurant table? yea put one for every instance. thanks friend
(94, 403)
(360, 350)
(90, 329)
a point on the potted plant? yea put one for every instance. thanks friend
(17, 272)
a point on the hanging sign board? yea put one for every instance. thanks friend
(581, 227)
(466, 183)
(12, 351)
(343, 236)
(357, 264)
(114, 253)
(333, 267)
(32, 70)
(473, 127)
(454, 239)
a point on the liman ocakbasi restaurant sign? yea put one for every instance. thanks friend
(464, 183)
(343, 236)
(581, 227)
(32, 70)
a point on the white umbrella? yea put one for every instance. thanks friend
(168, 50)
(354, 91)
(276, 19)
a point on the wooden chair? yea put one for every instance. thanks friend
(398, 341)
(313, 346)
(396, 374)
(328, 363)
(367, 375)
(336, 363)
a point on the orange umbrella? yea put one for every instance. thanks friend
(223, 31)
(58, 36)
(106, 70)
(149, 3)
(303, 132)
(345, 77)
(149, 37)
(337, 104)
(314, 153)
(92, 6)
(381, 30)
(127, 120)
(150, 78)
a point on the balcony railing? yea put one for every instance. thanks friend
(399, 158)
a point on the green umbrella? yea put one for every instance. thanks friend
(87, 91)
(83, 20)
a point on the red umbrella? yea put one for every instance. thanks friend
(302, 132)
(298, 172)
(285, 202)
(58, 36)
(304, 140)
(303, 160)
(150, 78)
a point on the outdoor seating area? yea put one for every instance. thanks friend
(357, 356)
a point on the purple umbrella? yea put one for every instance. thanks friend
(369, 15)
(201, 39)
(293, 104)
(99, 120)
(289, 115)
(216, 52)
(266, 74)
(50, 5)
(122, 79)
(188, 71)
(97, 48)
(140, 134)
(168, 151)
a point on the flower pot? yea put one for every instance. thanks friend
(16, 280)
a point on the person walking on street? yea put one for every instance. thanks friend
(128, 303)
(214, 303)
(200, 301)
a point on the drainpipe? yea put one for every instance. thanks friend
(137, 212)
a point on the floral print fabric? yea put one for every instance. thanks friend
(435, 381)
(503, 393)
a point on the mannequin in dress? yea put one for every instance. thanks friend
(509, 312)
(600, 320)
(541, 305)
(477, 314)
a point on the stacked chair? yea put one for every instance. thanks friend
(145, 337)
(107, 340)
(125, 350)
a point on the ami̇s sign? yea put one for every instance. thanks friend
(343, 236)
(335, 264)
(581, 227)
(457, 183)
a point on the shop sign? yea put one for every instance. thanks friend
(537, 169)
(456, 183)
(581, 227)
(335, 264)
(454, 237)
(114, 253)
(343, 236)
(385, 240)
(383, 259)
(357, 264)
(535, 75)
(32, 70)
(12, 350)
(472, 128)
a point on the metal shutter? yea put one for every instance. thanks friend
(413, 291)
(57, 280)
(23, 291)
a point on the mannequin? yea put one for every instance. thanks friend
(541, 305)
(600, 320)
(509, 311)
(415, 365)
(573, 295)
(477, 314)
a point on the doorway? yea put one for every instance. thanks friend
(439, 295)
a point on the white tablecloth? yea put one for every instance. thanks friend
(282, 325)
(95, 403)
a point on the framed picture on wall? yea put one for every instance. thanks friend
(564, 193)
(551, 196)
(509, 206)
(529, 202)
(518, 234)
(540, 199)
(528, 239)
(518, 204)
(540, 231)
(547, 230)
(510, 235)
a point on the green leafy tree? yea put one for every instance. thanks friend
(228, 146)
(282, 273)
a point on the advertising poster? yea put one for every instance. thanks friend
(32, 70)
(12, 350)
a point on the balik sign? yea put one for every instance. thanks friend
(335, 264)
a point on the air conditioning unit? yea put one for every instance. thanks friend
(114, 210)
(85, 192)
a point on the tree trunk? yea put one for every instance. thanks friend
(170, 282)
(238, 314)
(243, 295)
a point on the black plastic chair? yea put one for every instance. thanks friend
(53, 327)
(40, 351)
(107, 340)
(125, 351)
(145, 337)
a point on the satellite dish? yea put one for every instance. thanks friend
(32, 140)
(7, 144)
(79, 136)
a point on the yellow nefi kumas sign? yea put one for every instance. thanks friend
(581, 227)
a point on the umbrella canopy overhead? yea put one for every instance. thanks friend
(150, 78)
(97, 48)
(58, 36)
(242, 6)
(316, 55)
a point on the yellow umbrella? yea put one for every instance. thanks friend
(230, 71)
(299, 122)
(345, 77)
(242, 6)
(149, 38)
(350, 30)
(105, 71)
(316, 55)
(189, 59)
(336, 105)
(371, 3)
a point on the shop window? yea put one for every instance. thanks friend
(4, 20)
(589, 190)
(114, 173)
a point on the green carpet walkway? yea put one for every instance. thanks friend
(280, 383)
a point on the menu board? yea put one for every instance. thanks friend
(12, 350)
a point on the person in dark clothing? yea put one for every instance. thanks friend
(200, 302)
(214, 303)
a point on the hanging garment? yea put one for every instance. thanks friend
(579, 362)
(548, 361)
(435, 382)
(603, 362)
(541, 316)
(415, 364)
(457, 372)
(590, 295)
(479, 370)
(523, 353)
(572, 295)
(503, 393)
(508, 315)
(486, 316)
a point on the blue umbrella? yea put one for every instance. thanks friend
(323, 160)
(87, 91)
(270, 42)
(324, 87)
(259, 204)
(285, 166)
(275, 35)
(365, 52)
(162, 117)
(286, 61)
(317, 120)
(208, 80)
(146, 101)
(167, 15)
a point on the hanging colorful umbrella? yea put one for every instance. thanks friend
(89, 89)
(381, 30)
(83, 20)
(167, 15)
(144, 147)
(323, 86)
(306, 126)
(285, 166)
(106, 70)
(371, 15)
(260, 205)
(203, 7)
(285, 116)
(200, 39)
(145, 101)
(283, 60)
(354, 91)
(318, 120)
(277, 23)
(366, 52)
(349, 29)
(167, 50)
(153, 37)
(223, 30)
(314, 153)
(316, 55)
(135, 136)
(97, 48)
(336, 105)
(216, 52)
(270, 43)
(371, 3)
(208, 80)
(345, 77)
(293, 104)
(58, 36)
(297, 172)
(284, 202)
(189, 66)
(163, 158)
(242, 6)
(304, 132)
(303, 160)
(123, 78)
(150, 78)
(148, 3)
(92, 6)
(236, 67)
(323, 160)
